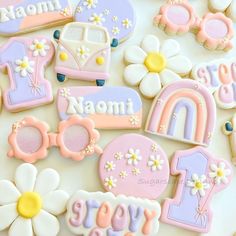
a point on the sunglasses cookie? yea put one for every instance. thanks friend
(83, 52)
(187, 101)
(76, 138)
(25, 59)
(119, 23)
(105, 214)
(21, 16)
(134, 165)
(201, 176)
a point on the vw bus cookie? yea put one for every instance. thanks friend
(21, 16)
(116, 15)
(83, 52)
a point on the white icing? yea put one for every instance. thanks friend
(79, 106)
(11, 13)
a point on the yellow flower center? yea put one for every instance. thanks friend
(39, 46)
(110, 183)
(220, 173)
(29, 205)
(155, 62)
(156, 163)
(134, 157)
(198, 185)
(97, 19)
(24, 65)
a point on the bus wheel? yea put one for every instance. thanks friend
(114, 43)
(61, 77)
(100, 82)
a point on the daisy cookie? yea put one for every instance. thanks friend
(30, 204)
(153, 65)
(201, 176)
(134, 165)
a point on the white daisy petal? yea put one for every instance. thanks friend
(179, 64)
(227, 172)
(202, 192)
(150, 163)
(17, 69)
(18, 62)
(167, 76)
(45, 224)
(170, 48)
(55, 202)
(35, 53)
(214, 167)
(135, 54)
(231, 11)
(52, 180)
(151, 44)
(150, 85)
(133, 74)
(224, 180)
(8, 214)
(8, 193)
(222, 165)
(219, 5)
(154, 168)
(212, 174)
(194, 191)
(25, 177)
(190, 184)
(195, 177)
(23, 73)
(202, 178)
(22, 227)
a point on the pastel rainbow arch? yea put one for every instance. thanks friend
(195, 101)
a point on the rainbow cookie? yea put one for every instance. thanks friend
(201, 176)
(25, 60)
(76, 138)
(134, 165)
(186, 100)
(108, 107)
(119, 23)
(21, 16)
(97, 214)
(219, 77)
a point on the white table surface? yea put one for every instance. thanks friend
(83, 175)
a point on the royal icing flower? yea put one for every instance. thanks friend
(65, 92)
(133, 157)
(118, 156)
(24, 66)
(136, 171)
(106, 12)
(83, 52)
(97, 19)
(126, 23)
(155, 162)
(198, 185)
(66, 11)
(115, 30)
(134, 120)
(90, 3)
(39, 48)
(154, 147)
(79, 9)
(110, 166)
(220, 173)
(29, 205)
(110, 182)
(151, 65)
(123, 174)
(115, 18)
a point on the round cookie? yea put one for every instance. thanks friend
(134, 165)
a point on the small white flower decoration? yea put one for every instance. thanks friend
(198, 185)
(79, 9)
(155, 162)
(152, 66)
(30, 204)
(39, 48)
(115, 18)
(154, 147)
(110, 182)
(133, 157)
(134, 120)
(110, 166)
(66, 12)
(106, 12)
(126, 23)
(136, 171)
(118, 156)
(83, 52)
(97, 19)
(123, 174)
(220, 173)
(115, 30)
(65, 92)
(90, 3)
(24, 66)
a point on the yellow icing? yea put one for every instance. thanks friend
(63, 56)
(155, 62)
(100, 60)
(198, 185)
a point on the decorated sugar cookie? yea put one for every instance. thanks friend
(76, 138)
(83, 52)
(105, 214)
(29, 205)
(108, 107)
(117, 16)
(201, 176)
(152, 65)
(184, 111)
(25, 60)
(134, 165)
(219, 77)
(226, 6)
(214, 31)
(20, 16)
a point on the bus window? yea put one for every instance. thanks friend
(97, 35)
(73, 33)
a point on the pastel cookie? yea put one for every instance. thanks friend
(134, 165)
(214, 31)
(201, 176)
(21, 16)
(76, 138)
(29, 205)
(219, 77)
(105, 214)
(184, 111)
(108, 107)
(153, 65)
(117, 16)
(226, 6)
(83, 52)
(25, 60)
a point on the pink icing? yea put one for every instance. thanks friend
(216, 28)
(178, 15)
